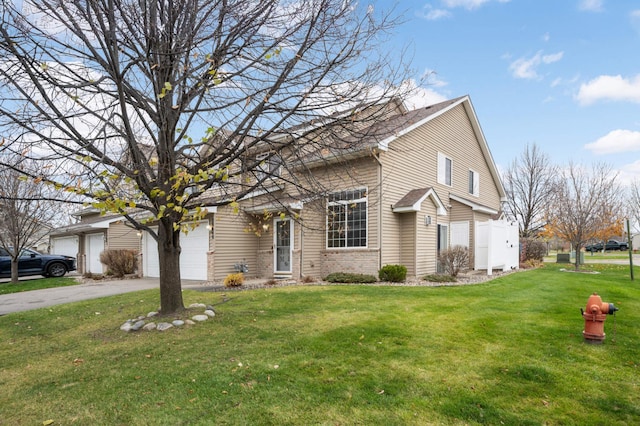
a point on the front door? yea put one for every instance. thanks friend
(283, 246)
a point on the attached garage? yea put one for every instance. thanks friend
(66, 246)
(193, 260)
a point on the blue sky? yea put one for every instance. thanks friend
(563, 74)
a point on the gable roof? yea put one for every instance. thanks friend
(412, 201)
(399, 126)
(474, 206)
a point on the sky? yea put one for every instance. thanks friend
(561, 74)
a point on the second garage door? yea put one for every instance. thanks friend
(193, 260)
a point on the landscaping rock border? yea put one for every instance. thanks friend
(144, 322)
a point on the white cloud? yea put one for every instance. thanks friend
(591, 5)
(610, 87)
(421, 96)
(432, 14)
(526, 68)
(468, 4)
(549, 59)
(629, 173)
(616, 141)
(546, 37)
(430, 78)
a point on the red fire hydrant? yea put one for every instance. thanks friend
(594, 317)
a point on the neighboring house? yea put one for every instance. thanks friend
(89, 237)
(424, 183)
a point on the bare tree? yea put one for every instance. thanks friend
(529, 182)
(633, 206)
(584, 203)
(149, 104)
(26, 212)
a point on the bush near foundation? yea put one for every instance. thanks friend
(234, 280)
(119, 262)
(393, 273)
(349, 278)
(454, 260)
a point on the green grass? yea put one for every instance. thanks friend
(509, 351)
(36, 284)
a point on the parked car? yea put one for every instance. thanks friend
(611, 245)
(31, 262)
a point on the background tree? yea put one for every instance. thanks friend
(123, 96)
(585, 203)
(529, 182)
(633, 205)
(26, 212)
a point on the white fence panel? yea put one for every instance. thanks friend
(496, 246)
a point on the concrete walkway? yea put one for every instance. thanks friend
(35, 299)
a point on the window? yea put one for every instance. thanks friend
(474, 183)
(268, 166)
(443, 237)
(445, 166)
(347, 219)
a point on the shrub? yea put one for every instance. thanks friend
(532, 249)
(234, 280)
(440, 278)
(348, 278)
(531, 263)
(454, 259)
(271, 282)
(119, 262)
(393, 273)
(308, 279)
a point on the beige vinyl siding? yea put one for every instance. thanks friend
(312, 234)
(408, 242)
(232, 244)
(412, 162)
(426, 240)
(121, 236)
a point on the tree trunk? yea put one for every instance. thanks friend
(14, 271)
(169, 257)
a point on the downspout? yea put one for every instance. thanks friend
(301, 250)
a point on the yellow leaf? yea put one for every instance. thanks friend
(47, 422)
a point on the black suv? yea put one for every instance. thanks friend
(33, 263)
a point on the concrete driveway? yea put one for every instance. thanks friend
(35, 299)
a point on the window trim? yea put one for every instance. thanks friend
(474, 183)
(365, 200)
(268, 165)
(445, 178)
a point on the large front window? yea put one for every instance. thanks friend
(347, 219)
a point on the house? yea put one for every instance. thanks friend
(89, 237)
(425, 181)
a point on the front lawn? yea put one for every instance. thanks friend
(509, 351)
(36, 283)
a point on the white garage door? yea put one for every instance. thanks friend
(193, 260)
(67, 246)
(95, 246)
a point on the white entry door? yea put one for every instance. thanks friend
(283, 243)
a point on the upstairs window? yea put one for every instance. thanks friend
(347, 219)
(474, 183)
(269, 165)
(445, 167)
